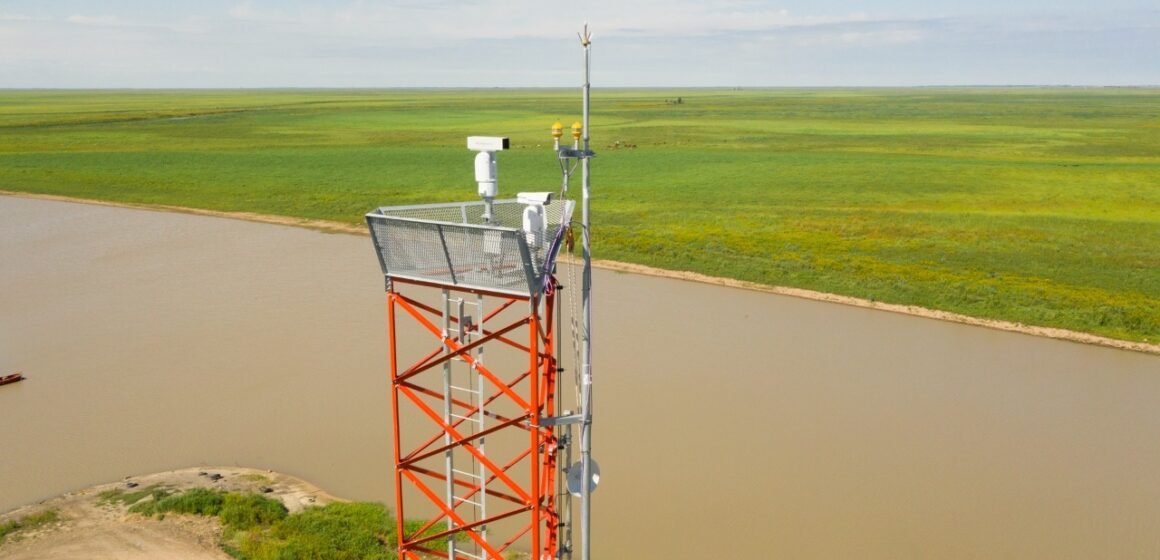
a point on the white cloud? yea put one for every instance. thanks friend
(504, 19)
(871, 34)
(242, 11)
(94, 20)
(254, 43)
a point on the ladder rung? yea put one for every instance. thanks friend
(466, 501)
(466, 418)
(461, 554)
(467, 474)
(464, 389)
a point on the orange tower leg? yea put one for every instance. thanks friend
(475, 501)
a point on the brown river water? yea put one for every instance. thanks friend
(729, 423)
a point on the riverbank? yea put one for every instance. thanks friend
(337, 227)
(922, 197)
(90, 526)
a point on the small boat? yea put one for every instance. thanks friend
(13, 378)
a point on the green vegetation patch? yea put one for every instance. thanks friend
(1033, 205)
(337, 531)
(28, 522)
(129, 498)
(259, 528)
(245, 511)
(196, 501)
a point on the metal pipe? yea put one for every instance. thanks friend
(586, 330)
(563, 497)
(477, 380)
(448, 456)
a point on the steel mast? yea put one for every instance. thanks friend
(586, 329)
(583, 475)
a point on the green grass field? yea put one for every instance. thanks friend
(1040, 206)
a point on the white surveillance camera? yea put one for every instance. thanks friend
(487, 143)
(540, 198)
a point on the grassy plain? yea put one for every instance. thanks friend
(1039, 206)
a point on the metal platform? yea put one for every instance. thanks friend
(452, 244)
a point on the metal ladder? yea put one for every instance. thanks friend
(462, 381)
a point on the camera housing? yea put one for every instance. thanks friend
(487, 143)
(537, 198)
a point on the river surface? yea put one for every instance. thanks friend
(730, 423)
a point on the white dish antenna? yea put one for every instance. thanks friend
(575, 474)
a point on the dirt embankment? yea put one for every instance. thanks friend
(336, 227)
(1061, 334)
(92, 528)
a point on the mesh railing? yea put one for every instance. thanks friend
(451, 244)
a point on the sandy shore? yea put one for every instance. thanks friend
(88, 529)
(336, 227)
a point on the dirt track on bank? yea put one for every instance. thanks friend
(91, 530)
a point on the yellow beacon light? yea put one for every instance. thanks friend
(557, 130)
(577, 130)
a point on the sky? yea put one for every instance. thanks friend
(519, 43)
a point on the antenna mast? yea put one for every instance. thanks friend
(586, 329)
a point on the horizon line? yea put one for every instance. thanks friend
(500, 88)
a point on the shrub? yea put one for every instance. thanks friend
(196, 501)
(243, 511)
